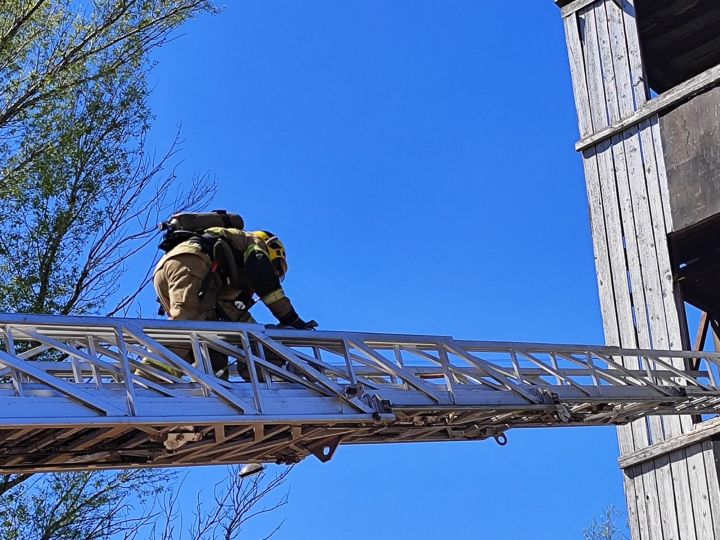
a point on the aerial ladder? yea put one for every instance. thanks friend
(80, 393)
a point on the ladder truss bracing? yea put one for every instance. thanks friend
(83, 392)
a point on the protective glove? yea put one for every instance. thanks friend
(296, 323)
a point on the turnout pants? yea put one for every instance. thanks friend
(177, 285)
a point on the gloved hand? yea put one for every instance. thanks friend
(296, 323)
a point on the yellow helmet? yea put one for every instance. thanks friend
(275, 249)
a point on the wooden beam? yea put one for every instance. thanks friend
(567, 9)
(700, 432)
(700, 83)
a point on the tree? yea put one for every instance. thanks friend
(99, 505)
(235, 501)
(49, 47)
(80, 506)
(606, 527)
(81, 195)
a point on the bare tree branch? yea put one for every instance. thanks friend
(233, 503)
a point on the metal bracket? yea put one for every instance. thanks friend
(378, 404)
(562, 412)
(354, 390)
(325, 449)
(482, 433)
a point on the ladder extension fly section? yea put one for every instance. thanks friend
(81, 392)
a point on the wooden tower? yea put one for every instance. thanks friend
(647, 89)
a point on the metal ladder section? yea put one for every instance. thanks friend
(79, 393)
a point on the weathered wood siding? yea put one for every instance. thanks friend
(668, 497)
(691, 133)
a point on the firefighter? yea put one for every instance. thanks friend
(197, 280)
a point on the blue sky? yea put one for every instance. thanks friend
(417, 159)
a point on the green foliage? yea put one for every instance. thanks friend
(607, 527)
(79, 194)
(48, 47)
(65, 193)
(80, 506)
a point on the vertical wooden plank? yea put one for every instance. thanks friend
(603, 154)
(639, 85)
(593, 69)
(607, 65)
(599, 237)
(632, 507)
(668, 509)
(577, 72)
(686, 520)
(699, 491)
(711, 470)
(652, 501)
(639, 502)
